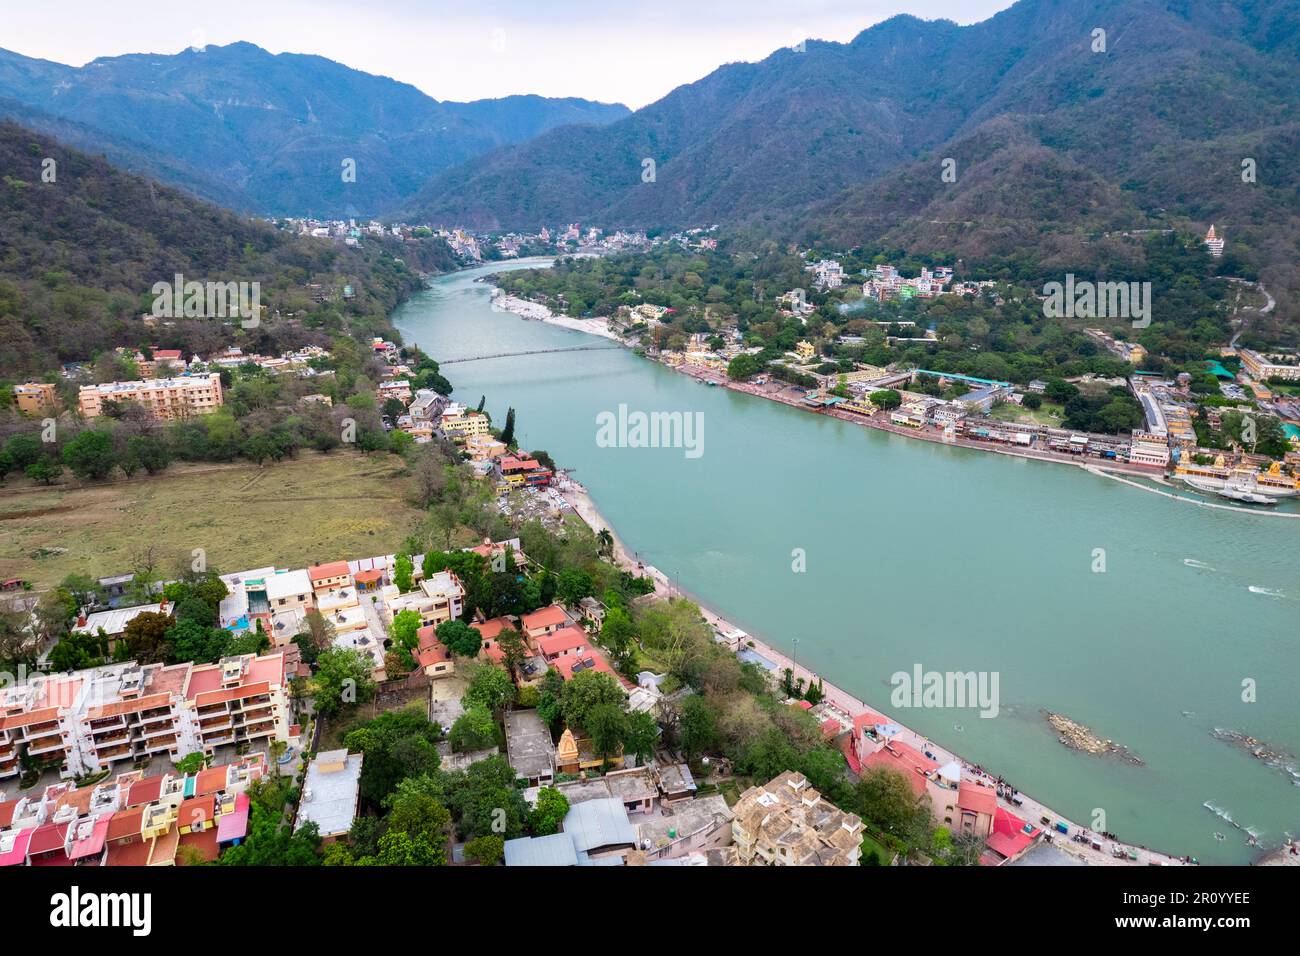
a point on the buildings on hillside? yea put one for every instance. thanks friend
(36, 398)
(165, 399)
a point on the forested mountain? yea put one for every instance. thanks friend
(79, 256)
(1055, 143)
(269, 133)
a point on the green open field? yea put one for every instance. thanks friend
(313, 508)
(1050, 414)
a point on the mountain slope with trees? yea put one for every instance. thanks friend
(79, 257)
(275, 129)
(1050, 137)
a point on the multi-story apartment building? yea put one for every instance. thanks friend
(440, 597)
(35, 398)
(86, 721)
(1264, 367)
(165, 399)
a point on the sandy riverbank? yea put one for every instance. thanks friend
(537, 312)
(848, 706)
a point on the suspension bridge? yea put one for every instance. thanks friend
(497, 355)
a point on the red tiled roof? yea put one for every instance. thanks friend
(571, 638)
(545, 617)
(197, 811)
(973, 797)
(205, 843)
(125, 824)
(490, 629)
(46, 838)
(129, 854)
(333, 569)
(906, 760)
(211, 780)
(830, 728)
(120, 707)
(364, 577)
(28, 718)
(7, 812)
(145, 791)
(232, 693)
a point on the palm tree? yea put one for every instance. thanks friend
(606, 542)
(278, 747)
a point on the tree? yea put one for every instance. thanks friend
(459, 638)
(548, 813)
(90, 455)
(343, 678)
(146, 637)
(886, 398)
(45, 469)
(606, 724)
(588, 690)
(618, 635)
(640, 735)
(148, 452)
(486, 850)
(191, 763)
(403, 570)
(318, 632)
(508, 433)
(574, 585)
(698, 727)
(23, 450)
(513, 650)
(489, 687)
(886, 802)
(405, 628)
(473, 730)
(397, 745)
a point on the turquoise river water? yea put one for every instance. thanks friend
(953, 559)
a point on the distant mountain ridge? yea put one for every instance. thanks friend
(270, 133)
(1054, 143)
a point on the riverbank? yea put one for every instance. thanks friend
(849, 706)
(536, 312)
(725, 525)
(791, 396)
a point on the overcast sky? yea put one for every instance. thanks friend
(614, 50)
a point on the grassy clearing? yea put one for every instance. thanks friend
(1049, 414)
(313, 508)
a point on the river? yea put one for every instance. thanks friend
(956, 560)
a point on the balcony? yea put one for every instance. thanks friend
(117, 752)
(44, 729)
(104, 723)
(45, 747)
(111, 737)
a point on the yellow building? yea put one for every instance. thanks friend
(465, 425)
(165, 399)
(805, 350)
(35, 398)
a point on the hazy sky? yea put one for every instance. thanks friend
(613, 50)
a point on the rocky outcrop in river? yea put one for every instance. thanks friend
(1077, 736)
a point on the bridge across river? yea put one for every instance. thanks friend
(497, 355)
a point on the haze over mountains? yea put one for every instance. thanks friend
(269, 133)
